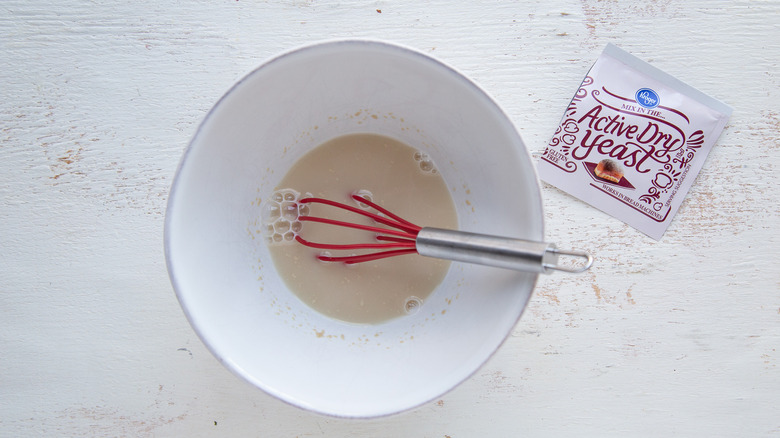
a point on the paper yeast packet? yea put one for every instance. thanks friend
(632, 141)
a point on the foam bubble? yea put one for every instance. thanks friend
(289, 210)
(412, 305)
(280, 215)
(271, 212)
(364, 194)
(326, 254)
(281, 226)
(425, 162)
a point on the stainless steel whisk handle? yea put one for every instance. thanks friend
(496, 251)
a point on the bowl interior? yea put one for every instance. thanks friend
(224, 277)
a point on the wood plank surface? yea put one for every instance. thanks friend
(98, 100)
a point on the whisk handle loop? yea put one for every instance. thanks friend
(500, 252)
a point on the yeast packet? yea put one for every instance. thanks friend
(632, 141)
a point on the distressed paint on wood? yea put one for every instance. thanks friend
(99, 99)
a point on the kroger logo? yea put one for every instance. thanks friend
(647, 98)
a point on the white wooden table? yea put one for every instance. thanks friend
(98, 100)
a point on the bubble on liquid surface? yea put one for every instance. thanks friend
(364, 194)
(425, 162)
(289, 210)
(281, 226)
(324, 254)
(280, 215)
(426, 166)
(271, 212)
(412, 305)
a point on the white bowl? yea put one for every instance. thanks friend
(223, 274)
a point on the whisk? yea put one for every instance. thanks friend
(404, 237)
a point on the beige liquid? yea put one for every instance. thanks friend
(400, 179)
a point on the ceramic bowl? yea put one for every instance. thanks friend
(224, 277)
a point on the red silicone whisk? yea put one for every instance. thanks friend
(400, 237)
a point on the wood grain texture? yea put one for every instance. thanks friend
(99, 99)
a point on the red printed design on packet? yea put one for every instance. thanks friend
(632, 141)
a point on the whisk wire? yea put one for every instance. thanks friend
(356, 226)
(367, 257)
(391, 220)
(400, 240)
(405, 237)
(400, 243)
(385, 212)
